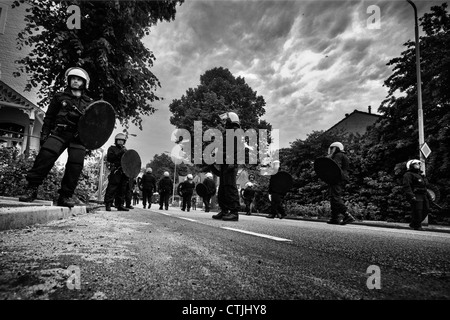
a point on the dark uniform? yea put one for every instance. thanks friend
(415, 187)
(187, 190)
(117, 180)
(210, 191)
(336, 190)
(60, 132)
(165, 186)
(248, 194)
(228, 195)
(148, 186)
(276, 200)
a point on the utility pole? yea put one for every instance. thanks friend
(419, 89)
(419, 95)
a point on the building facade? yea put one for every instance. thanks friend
(20, 118)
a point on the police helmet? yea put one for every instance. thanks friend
(120, 136)
(338, 145)
(79, 72)
(411, 162)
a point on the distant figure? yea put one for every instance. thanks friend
(275, 197)
(415, 187)
(194, 203)
(165, 186)
(210, 190)
(248, 195)
(187, 189)
(148, 186)
(337, 153)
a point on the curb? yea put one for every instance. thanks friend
(15, 218)
(15, 214)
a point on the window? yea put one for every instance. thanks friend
(3, 11)
(11, 135)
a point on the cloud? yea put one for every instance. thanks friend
(312, 61)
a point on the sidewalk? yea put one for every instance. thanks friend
(15, 214)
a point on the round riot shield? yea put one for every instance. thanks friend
(328, 170)
(281, 182)
(131, 163)
(96, 124)
(201, 190)
(179, 191)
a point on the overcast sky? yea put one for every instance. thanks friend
(312, 61)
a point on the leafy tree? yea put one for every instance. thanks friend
(163, 162)
(108, 46)
(219, 92)
(394, 139)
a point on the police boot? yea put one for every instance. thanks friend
(334, 218)
(232, 216)
(65, 201)
(108, 206)
(220, 215)
(120, 207)
(30, 194)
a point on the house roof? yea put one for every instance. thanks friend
(347, 116)
(9, 95)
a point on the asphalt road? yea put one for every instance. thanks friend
(175, 255)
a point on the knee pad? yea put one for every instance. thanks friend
(76, 154)
(54, 144)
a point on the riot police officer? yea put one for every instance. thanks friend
(60, 132)
(228, 195)
(187, 190)
(165, 186)
(415, 188)
(337, 153)
(248, 195)
(117, 180)
(210, 190)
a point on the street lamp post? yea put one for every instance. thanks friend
(419, 94)
(419, 88)
(100, 177)
(174, 180)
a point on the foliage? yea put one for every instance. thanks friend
(377, 159)
(219, 92)
(108, 46)
(163, 162)
(394, 138)
(14, 167)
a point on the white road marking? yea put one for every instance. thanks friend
(428, 233)
(166, 214)
(258, 234)
(188, 219)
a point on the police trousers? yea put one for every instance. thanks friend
(337, 204)
(117, 187)
(164, 199)
(419, 210)
(50, 151)
(228, 198)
